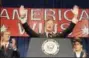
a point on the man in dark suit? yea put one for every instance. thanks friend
(49, 24)
(8, 49)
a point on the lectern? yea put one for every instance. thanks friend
(50, 47)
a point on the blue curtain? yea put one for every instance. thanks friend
(22, 45)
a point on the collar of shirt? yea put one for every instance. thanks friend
(48, 33)
(78, 54)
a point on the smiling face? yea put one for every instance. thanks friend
(6, 35)
(49, 25)
(77, 46)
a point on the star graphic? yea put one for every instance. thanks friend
(3, 28)
(85, 30)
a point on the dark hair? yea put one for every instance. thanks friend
(77, 40)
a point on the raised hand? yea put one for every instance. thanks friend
(23, 13)
(75, 11)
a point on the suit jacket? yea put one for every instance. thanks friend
(9, 53)
(64, 34)
(81, 54)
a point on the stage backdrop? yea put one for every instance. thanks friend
(9, 18)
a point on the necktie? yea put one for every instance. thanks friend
(49, 35)
(6, 47)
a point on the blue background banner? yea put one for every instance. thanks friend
(46, 3)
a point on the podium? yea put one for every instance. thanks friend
(50, 47)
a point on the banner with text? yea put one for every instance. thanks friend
(9, 18)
